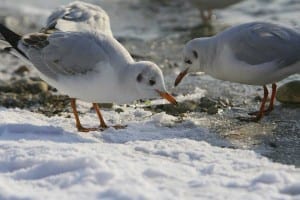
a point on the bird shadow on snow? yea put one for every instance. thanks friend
(148, 131)
(143, 131)
(35, 132)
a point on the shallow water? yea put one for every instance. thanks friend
(157, 30)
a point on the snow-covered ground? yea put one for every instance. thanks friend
(154, 158)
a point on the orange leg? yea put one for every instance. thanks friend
(80, 128)
(262, 105)
(259, 114)
(102, 122)
(271, 105)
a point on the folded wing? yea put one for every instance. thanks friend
(64, 53)
(258, 43)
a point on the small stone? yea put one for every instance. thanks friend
(212, 110)
(206, 102)
(22, 70)
(289, 93)
(273, 144)
(10, 100)
(39, 87)
(106, 105)
(179, 109)
(119, 110)
(257, 98)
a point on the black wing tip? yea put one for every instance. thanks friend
(11, 37)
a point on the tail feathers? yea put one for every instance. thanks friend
(12, 38)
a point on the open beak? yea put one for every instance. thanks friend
(167, 96)
(180, 76)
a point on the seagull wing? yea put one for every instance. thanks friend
(258, 43)
(79, 16)
(64, 53)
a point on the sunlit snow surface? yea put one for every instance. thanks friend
(45, 158)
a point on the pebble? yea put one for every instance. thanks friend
(289, 93)
(33, 95)
(22, 70)
(205, 104)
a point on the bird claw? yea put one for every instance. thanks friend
(117, 127)
(100, 128)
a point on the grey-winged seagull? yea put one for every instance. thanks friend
(256, 53)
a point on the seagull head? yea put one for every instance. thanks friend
(150, 82)
(193, 57)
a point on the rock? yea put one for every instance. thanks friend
(106, 105)
(206, 102)
(212, 110)
(179, 109)
(119, 110)
(10, 100)
(32, 95)
(22, 70)
(38, 87)
(289, 93)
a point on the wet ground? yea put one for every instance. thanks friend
(159, 35)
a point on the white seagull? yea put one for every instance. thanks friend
(206, 7)
(79, 16)
(93, 67)
(254, 53)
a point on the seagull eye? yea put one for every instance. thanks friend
(152, 82)
(187, 61)
(195, 54)
(139, 78)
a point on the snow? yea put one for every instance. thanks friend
(153, 158)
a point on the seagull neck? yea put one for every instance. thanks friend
(128, 79)
(207, 57)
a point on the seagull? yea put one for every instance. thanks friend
(90, 66)
(79, 16)
(206, 7)
(256, 53)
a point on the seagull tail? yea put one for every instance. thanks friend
(11, 40)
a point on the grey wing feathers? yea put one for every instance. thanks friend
(64, 53)
(258, 43)
(79, 16)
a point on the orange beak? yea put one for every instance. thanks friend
(180, 76)
(168, 97)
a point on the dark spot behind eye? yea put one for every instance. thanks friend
(139, 78)
(195, 54)
(152, 82)
(187, 61)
